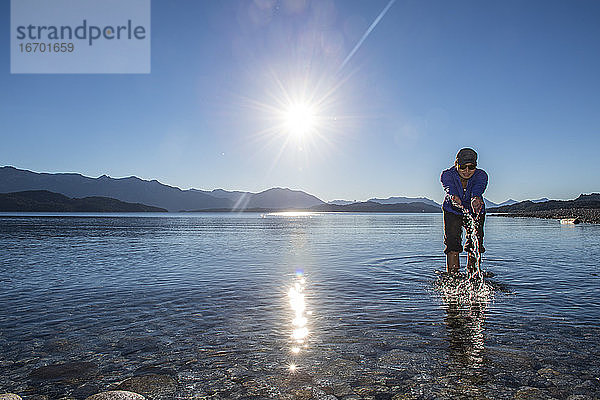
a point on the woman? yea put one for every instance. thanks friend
(464, 185)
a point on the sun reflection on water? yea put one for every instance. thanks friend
(290, 214)
(300, 331)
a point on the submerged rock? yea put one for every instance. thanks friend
(342, 369)
(9, 396)
(318, 394)
(153, 386)
(342, 389)
(133, 345)
(302, 394)
(547, 372)
(528, 392)
(60, 346)
(86, 390)
(403, 396)
(64, 371)
(116, 395)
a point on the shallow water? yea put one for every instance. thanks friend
(203, 301)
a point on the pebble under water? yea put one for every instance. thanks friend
(284, 306)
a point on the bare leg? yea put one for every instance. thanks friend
(452, 262)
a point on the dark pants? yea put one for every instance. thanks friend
(453, 225)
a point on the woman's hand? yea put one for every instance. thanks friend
(477, 204)
(456, 201)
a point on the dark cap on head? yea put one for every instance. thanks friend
(466, 156)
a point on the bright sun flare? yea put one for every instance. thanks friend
(300, 120)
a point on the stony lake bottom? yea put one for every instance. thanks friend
(285, 306)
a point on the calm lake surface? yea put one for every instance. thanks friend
(320, 306)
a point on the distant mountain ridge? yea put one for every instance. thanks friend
(342, 202)
(489, 204)
(584, 201)
(45, 201)
(131, 189)
(153, 193)
(389, 200)
(274, 198)
(371, 206)
(404, 200)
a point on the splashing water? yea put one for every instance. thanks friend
(471, 289)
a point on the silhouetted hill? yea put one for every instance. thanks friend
(131, 189)
(370, 206)
(45, 201)
(154, 193)
(489, 203)
(280, 198)
(507, 203)
(271, 199)
(223, 194)
(341, 202)
(582, 202)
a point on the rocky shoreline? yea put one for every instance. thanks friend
(584, 215)
(347, 379)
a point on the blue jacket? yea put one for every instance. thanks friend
(475, 187)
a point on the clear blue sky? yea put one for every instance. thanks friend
(518, 81)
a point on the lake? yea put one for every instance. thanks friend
(285, 306)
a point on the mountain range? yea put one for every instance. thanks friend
(275, 199)
(152, 193)
(584, 201)
(404, 200)
(371, 206)
(491, 204)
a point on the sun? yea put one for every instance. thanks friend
(300, 120)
